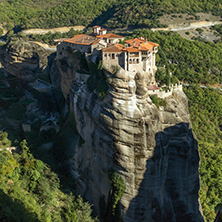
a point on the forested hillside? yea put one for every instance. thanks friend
(205, 107)
(30, 191)
(31, 14)
(189, 61)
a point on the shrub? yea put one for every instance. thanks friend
(158, 101)
(4, 141)
(1, 31)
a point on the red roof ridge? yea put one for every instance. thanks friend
(113, 48)
(110, 35)
(140, 41)
(95, 42)
(153, 87)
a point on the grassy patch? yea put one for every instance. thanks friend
(158, 101)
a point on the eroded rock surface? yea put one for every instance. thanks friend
(24, 59)
(153, 149)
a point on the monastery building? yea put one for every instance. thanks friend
(135, 55)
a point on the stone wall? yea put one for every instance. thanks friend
(165, 93)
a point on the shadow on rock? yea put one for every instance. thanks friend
(169, 189)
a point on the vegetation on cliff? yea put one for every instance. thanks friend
(50, 14)
(117, 190)
(29, 190)
(205, 107)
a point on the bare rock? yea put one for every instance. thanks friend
(24, 59)
(153, 149)
(26, 127)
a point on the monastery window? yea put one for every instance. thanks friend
(109, 54)
(137, 61)
(130, 61)
(105, 55)
(113, 56)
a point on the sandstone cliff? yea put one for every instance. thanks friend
(153, 149)
(117, 126)
(25, 59)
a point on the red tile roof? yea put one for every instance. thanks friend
(110, 36)
(136, 45)
(114, 48)
(153, 87)
(82, 39)
(95, 42)
(96, 26)
(131, 49)
(119, 46)
(143, 43)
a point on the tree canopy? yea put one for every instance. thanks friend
(50, 14)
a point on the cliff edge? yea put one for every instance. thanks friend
(152, 148)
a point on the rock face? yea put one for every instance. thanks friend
(153, 149)
(24, 59)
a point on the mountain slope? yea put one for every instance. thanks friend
(108, 13)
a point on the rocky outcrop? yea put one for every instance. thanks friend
(153, 149)
(68, 65)
(24, 59)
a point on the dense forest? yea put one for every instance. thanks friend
(205, 107)
(30, 190)
(50, 14)
(189, 61)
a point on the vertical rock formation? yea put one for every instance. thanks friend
(153, 149)
(25, 59)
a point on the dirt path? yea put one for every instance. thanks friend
(185, 26)
(54, 30)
